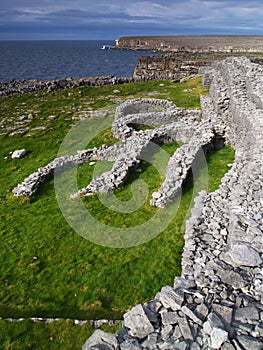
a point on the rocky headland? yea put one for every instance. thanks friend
(194, 43)
(185, 54)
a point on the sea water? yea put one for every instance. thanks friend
(47, 60)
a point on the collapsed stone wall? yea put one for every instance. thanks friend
(217, 303)
(170, 124)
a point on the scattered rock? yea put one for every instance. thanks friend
(19, 153)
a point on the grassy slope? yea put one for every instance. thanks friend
(46, 268)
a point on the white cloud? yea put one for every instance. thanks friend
(146, 9)
(146, 16)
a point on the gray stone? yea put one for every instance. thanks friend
(232, 279)
(245, 314)
(98, 323)
(227, 346)
(195, 346)
(218, 337)
(185, 329)
(213, 321)
(169, 318)
(154, 305)
(180, 346)
(182, 284)
(225, 313)
(259, 329)
(150, 341)
(169, 298)
(166, 332)
(167, 345)
(19, 153)
(101, 341)
(130, 344)
(202, 311)
(249, 343)
(177, 333)
(138, 323)
(191, 315)
(244, 254)
(152, 316)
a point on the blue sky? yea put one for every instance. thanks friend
(101, 19)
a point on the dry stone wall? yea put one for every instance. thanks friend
(171, 124)
(217, 303)
(31, 86)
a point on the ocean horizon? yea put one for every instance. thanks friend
(57, 59)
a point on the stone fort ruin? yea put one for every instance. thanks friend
(217, 302)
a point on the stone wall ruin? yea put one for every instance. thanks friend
(217, 302)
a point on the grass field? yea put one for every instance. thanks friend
(46, 269)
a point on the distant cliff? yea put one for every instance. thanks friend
(175, 66)
(172, 66)
(194, 43)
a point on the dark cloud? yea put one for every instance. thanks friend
(49, 19)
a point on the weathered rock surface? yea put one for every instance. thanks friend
(138, 323)
(244, 254)
(101, 341)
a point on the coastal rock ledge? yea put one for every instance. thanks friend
(217, 302)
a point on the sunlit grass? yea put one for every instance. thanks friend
(47, 269)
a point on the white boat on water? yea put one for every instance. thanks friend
(106, 47)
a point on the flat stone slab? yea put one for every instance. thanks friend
(244, 254)
(101, 340)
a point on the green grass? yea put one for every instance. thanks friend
(46, 269)
(58, 335)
